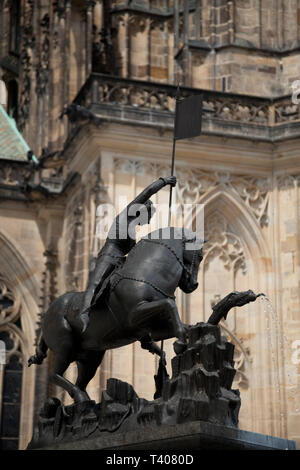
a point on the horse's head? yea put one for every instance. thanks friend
(192, 257)
(187, 248)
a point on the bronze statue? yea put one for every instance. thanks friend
(130, 297)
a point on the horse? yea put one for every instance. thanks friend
(138, 304)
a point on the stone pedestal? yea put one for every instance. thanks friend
(198, 435)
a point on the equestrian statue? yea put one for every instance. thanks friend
(129, 297)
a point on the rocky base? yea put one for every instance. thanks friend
(199, 390)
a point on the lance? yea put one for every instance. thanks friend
(177, 96)
(173, 152)
(187, 124)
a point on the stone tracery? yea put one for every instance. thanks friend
(193, 184)
(9, 304)
(11, 374)
(224, 244)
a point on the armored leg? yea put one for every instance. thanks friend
(103, 268)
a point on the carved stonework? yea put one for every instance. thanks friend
(156, 23)
(233, 109)
(119, 20)
(99, 194)
(50, 283)
(9, 316)
(194, 184)
(138, 24)
(223, 244)
(226, 107)
(252, 190)
(74, 248)
(76, 113)
(60, 7)
(137, 96)
(28, 44)
(42, 70)
(286, 111)
(9, 303)
(288, 181)
(140, 167)
(14, 174)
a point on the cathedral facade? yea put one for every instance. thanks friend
(91, 86)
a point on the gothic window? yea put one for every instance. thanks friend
(14, 27)
(11, 370)
(12, 99)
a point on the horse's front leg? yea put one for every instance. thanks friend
(145, 312)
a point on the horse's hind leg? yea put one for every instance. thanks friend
(61, 363)
(87, 366)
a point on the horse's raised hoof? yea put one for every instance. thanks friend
(179, 347)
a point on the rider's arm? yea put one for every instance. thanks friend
(149, 191)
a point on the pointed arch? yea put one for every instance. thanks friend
(20, 281)
(240, 217)
(23, 276)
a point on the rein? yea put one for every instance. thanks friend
(122, 276)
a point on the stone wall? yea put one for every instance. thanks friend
(242, 47)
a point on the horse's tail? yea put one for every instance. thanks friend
(40, 351)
